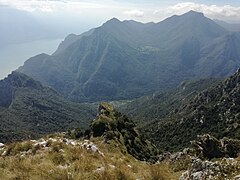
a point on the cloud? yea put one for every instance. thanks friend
(225, 12)
(52, 5)
(139, 10)
(31, 5)
(134, 13)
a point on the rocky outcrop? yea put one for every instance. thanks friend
(112, 125)
(227, 168)
(207, 158)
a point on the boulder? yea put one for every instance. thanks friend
(1, 145)
(208, 147)
(231, 147)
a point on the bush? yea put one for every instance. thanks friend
(75, 133)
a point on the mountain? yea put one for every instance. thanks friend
(28, 109)
(214, 111)
(222, 54)
(128, 59)
(228, 26)
(71, 38)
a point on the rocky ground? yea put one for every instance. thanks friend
(58, 157)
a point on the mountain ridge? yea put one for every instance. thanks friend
(126, 59)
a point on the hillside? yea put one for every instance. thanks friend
(127, 59)
(105, 151)
(28, 109)
(222, 53)
(109, 154)
(58, 157)
(214, 111)
(145, 109)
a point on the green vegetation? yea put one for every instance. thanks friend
(146, 109)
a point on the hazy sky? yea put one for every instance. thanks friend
(95, 12)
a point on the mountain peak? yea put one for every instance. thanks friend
(194, 13)
(17, 79)
(113, 20)
(188, 14)
(112, 25)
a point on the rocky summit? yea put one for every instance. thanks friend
(112, 125)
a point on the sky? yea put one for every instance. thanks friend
(96, 12)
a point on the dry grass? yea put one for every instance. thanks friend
(66, 162)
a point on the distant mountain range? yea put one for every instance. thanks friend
(29, 110)
(128, 59)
